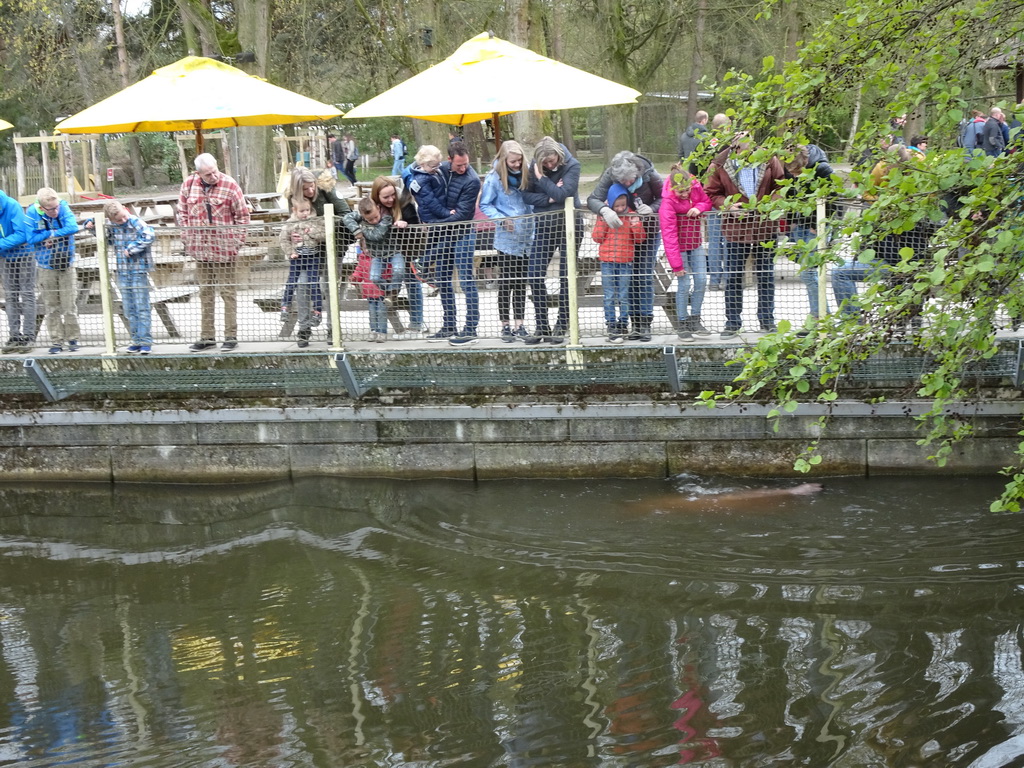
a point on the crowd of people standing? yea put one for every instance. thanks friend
(705, 215)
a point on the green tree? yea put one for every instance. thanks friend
(966, 282)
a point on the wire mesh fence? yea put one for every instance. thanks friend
(551, 278)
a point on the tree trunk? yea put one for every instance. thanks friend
(526, 29)
(854, 124)
(696, 62)
(255, 145)
(195, 23)
(134, 148)
(557, 49)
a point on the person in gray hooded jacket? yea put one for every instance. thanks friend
(644, 184)
(692, 138)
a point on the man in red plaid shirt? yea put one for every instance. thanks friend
(212, 207)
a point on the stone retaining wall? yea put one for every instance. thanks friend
(245, 444)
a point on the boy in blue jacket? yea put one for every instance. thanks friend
(52, 228)
(18, 272)
(130, 241)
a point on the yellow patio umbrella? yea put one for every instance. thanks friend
(196, 93)
(4, 125)
(488, 77)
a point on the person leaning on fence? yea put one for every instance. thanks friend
(376, 297)
(130, 240)
(501, 199)
(18, 266)
(52, 228)
(636, 173)
(373, 234)
(700, 164)
(553, 178)
(214, 213)
(305, 186)
(456, 248)
(616, 252)
(301, 239)
(887, 248)
(423, 180)
(683, 204)
(735, 186)
(807, 168)
(406, 239)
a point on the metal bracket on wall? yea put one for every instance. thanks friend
(348, 376)
(671, 360)
(38, 375)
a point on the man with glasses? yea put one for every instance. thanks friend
(211, 205)
(52, 228)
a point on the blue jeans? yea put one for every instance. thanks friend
(736, 256)
(415, 292)
(378, 315)
(134, 288)
(615, 279)
(641, 288)
(19, 279)
(550, 236)
(808, 275)
(457, 255)
(394, 284)
(846, 277)
(302, 289)
(397, 167)
(696, 275)
(716, 248)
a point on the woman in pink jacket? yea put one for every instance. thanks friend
(682, 202)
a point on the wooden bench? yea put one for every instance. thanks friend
(89, 302)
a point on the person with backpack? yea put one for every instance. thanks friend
(351, 155)
(970, 132)
(398, 153)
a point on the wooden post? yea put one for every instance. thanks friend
(19, 159)
(332, 279)
(94, 156)
(105, 299)
(68, 166)
(44, 153)
(86, 185)
(184, 162)
(225, 151)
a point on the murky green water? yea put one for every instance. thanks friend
(337, 623)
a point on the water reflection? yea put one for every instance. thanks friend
(331, 623)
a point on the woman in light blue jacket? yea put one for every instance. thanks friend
(501, 198)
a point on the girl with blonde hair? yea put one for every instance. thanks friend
(501, 199)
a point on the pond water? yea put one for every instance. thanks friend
(611, 623)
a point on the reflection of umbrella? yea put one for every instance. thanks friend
(482, 80)
(196, 93)
(4, 125)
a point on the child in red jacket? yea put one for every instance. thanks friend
(375, 295)
(616, 250)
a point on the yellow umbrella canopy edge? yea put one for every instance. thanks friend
(4, 125)
(462, 88)
(196, 93)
